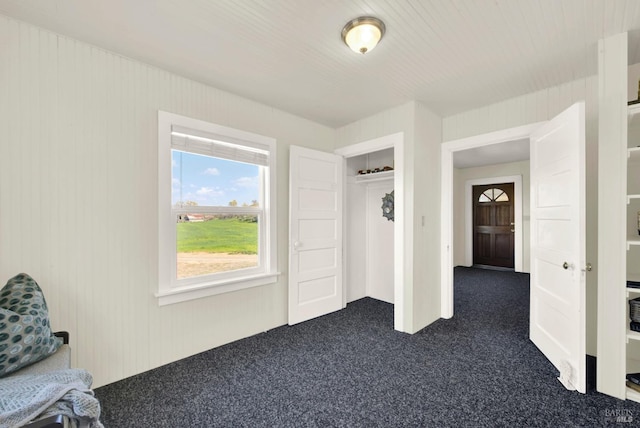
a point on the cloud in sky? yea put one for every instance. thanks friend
(212, 171)
(211, 181)
(246, 182)
(204, 191)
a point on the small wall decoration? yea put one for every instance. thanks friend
(387, 206)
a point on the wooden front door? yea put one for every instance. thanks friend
(493, 226)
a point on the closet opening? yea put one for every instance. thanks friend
(373, 250)
(369, 221)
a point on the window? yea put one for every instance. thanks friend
(493, 195)
(217, 225)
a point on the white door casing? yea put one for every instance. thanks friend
(315, 234)
(518, 219)
(446, 203)
(558, 252)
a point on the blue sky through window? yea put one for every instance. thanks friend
(211, 181)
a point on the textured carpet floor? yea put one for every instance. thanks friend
(351, 369)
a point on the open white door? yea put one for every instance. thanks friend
(315, 234)
(557, 319)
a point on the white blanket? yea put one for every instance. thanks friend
(29, 397)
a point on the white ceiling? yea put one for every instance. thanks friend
(453, 55)
(510, 151)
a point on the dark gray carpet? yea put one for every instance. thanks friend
(351, 369)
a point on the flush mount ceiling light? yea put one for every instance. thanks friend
(363, 34)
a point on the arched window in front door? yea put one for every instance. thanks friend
(493, 195)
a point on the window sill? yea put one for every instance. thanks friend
(198, 291)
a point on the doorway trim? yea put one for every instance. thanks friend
(517, 207)
(446, 199)
(395, 141)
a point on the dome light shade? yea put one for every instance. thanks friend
(363, 34)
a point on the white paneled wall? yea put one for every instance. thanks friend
(369, 242)
(425, 188)
(78, 199)
(535, 107)
(380, 256)
(355, 241)
(398, 119)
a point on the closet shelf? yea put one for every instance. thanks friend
(633, 395)
(633, 335)
(632, 240)
(633, 154)
(374, 176)
(633, 109)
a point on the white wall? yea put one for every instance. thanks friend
(78, 198)
(460, 177)
(613, 81)
(356, 241)
(426, 221)
(379, 246)
(540, 106)
(633, 82)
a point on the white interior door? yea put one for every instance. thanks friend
(315, 234)
(557, 319)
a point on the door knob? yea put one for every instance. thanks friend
(565, 265)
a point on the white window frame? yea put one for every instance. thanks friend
(172, 290)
